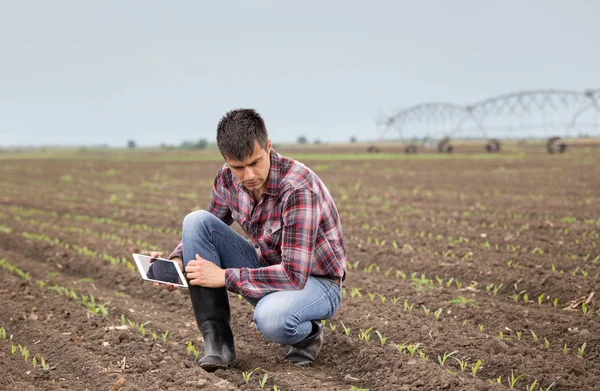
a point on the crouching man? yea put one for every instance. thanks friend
(292, 267)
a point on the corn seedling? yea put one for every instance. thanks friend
(496, 289)
(546, 343)
(401, 347)
(371, 295)
(464, 322)
(395, 299)
(555, 302)
(534, 335)
(346, 329)
(13, 348)
(481, 327)
(263, 381)
(531, 387)
(422, 355)
(408, 307)
(512, 380)
(388, 271)
(25, 354)
(549, 387)
(476, 367)
(246, 375)
(164, 336)
(437, 313)
(355, 388)
(565, 350)
(515, 297)
(581, 350)
(365, 335)
(154, 336)
(275, 388)
(381, 297)
(382, 338)
(502, 337)
(2, 333)
(44, 365)
(462, 364)
(412, 349)
(518, 335)
(34, 362)
(123, 321)
(332, 326)
(460, 300)
(190, 347)
(356, 292)
(540, 298)
(426, 310)
(442, 359)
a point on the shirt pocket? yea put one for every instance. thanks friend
(272, 235)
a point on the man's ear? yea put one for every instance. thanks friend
(269, 145)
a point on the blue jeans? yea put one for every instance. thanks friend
(283, 317)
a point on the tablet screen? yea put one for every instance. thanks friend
(159, 270)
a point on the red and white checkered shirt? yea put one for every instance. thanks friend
(295, 226)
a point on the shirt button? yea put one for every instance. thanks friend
(256, 246)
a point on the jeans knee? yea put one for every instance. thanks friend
(195, 220)
(276, 325)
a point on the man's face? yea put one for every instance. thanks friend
(253, 171)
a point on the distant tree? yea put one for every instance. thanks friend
(302, 140)
(131, 144)
(317, 141)
(353, 139)
(200, 144)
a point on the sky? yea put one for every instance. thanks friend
(97, 72)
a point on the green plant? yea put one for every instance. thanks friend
(442, 359)
(164, 336)
(531, 387)
(481, 327)
(518, 335)
(475, 367)
(462, 364)
(365, 335)
(2, 333)
(565, 350)
(154, 336)
(555, 302)
(540, 298)
(332, 326)
(34, 362)
(346, 329)
(437, 313)
(25, 353)
(412, 349)
(534, 335)
(546, 343)
(13, 348)
(263, 381)
(382, 338)
(45, 366)
(401, 347)
(462, 300)
(275, 388)
(246, 375)
(355, 388)
(512, 380)
(581, 350)
(422, 355)
(426, 310)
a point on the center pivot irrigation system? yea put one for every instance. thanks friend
(555, 115)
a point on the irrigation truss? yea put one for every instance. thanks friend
(551, 114)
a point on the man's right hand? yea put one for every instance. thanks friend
(170, 287)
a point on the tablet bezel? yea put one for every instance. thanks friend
(138, 262)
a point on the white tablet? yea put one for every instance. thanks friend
(160, 270)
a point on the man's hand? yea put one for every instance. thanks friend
(204, 273)
(170, 287)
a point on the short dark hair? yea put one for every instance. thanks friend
(238, 131)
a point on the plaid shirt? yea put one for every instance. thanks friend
(295, 228)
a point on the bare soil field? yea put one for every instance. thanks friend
(466, 272)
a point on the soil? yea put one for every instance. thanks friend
(504, 248)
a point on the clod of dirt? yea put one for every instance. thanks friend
(123, 337)
(495, 346)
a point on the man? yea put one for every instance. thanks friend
(291, 268)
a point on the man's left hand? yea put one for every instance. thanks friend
(204, 273)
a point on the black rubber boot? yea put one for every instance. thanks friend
(211, 308)
(306, 351)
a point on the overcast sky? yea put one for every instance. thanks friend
(102, 72)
